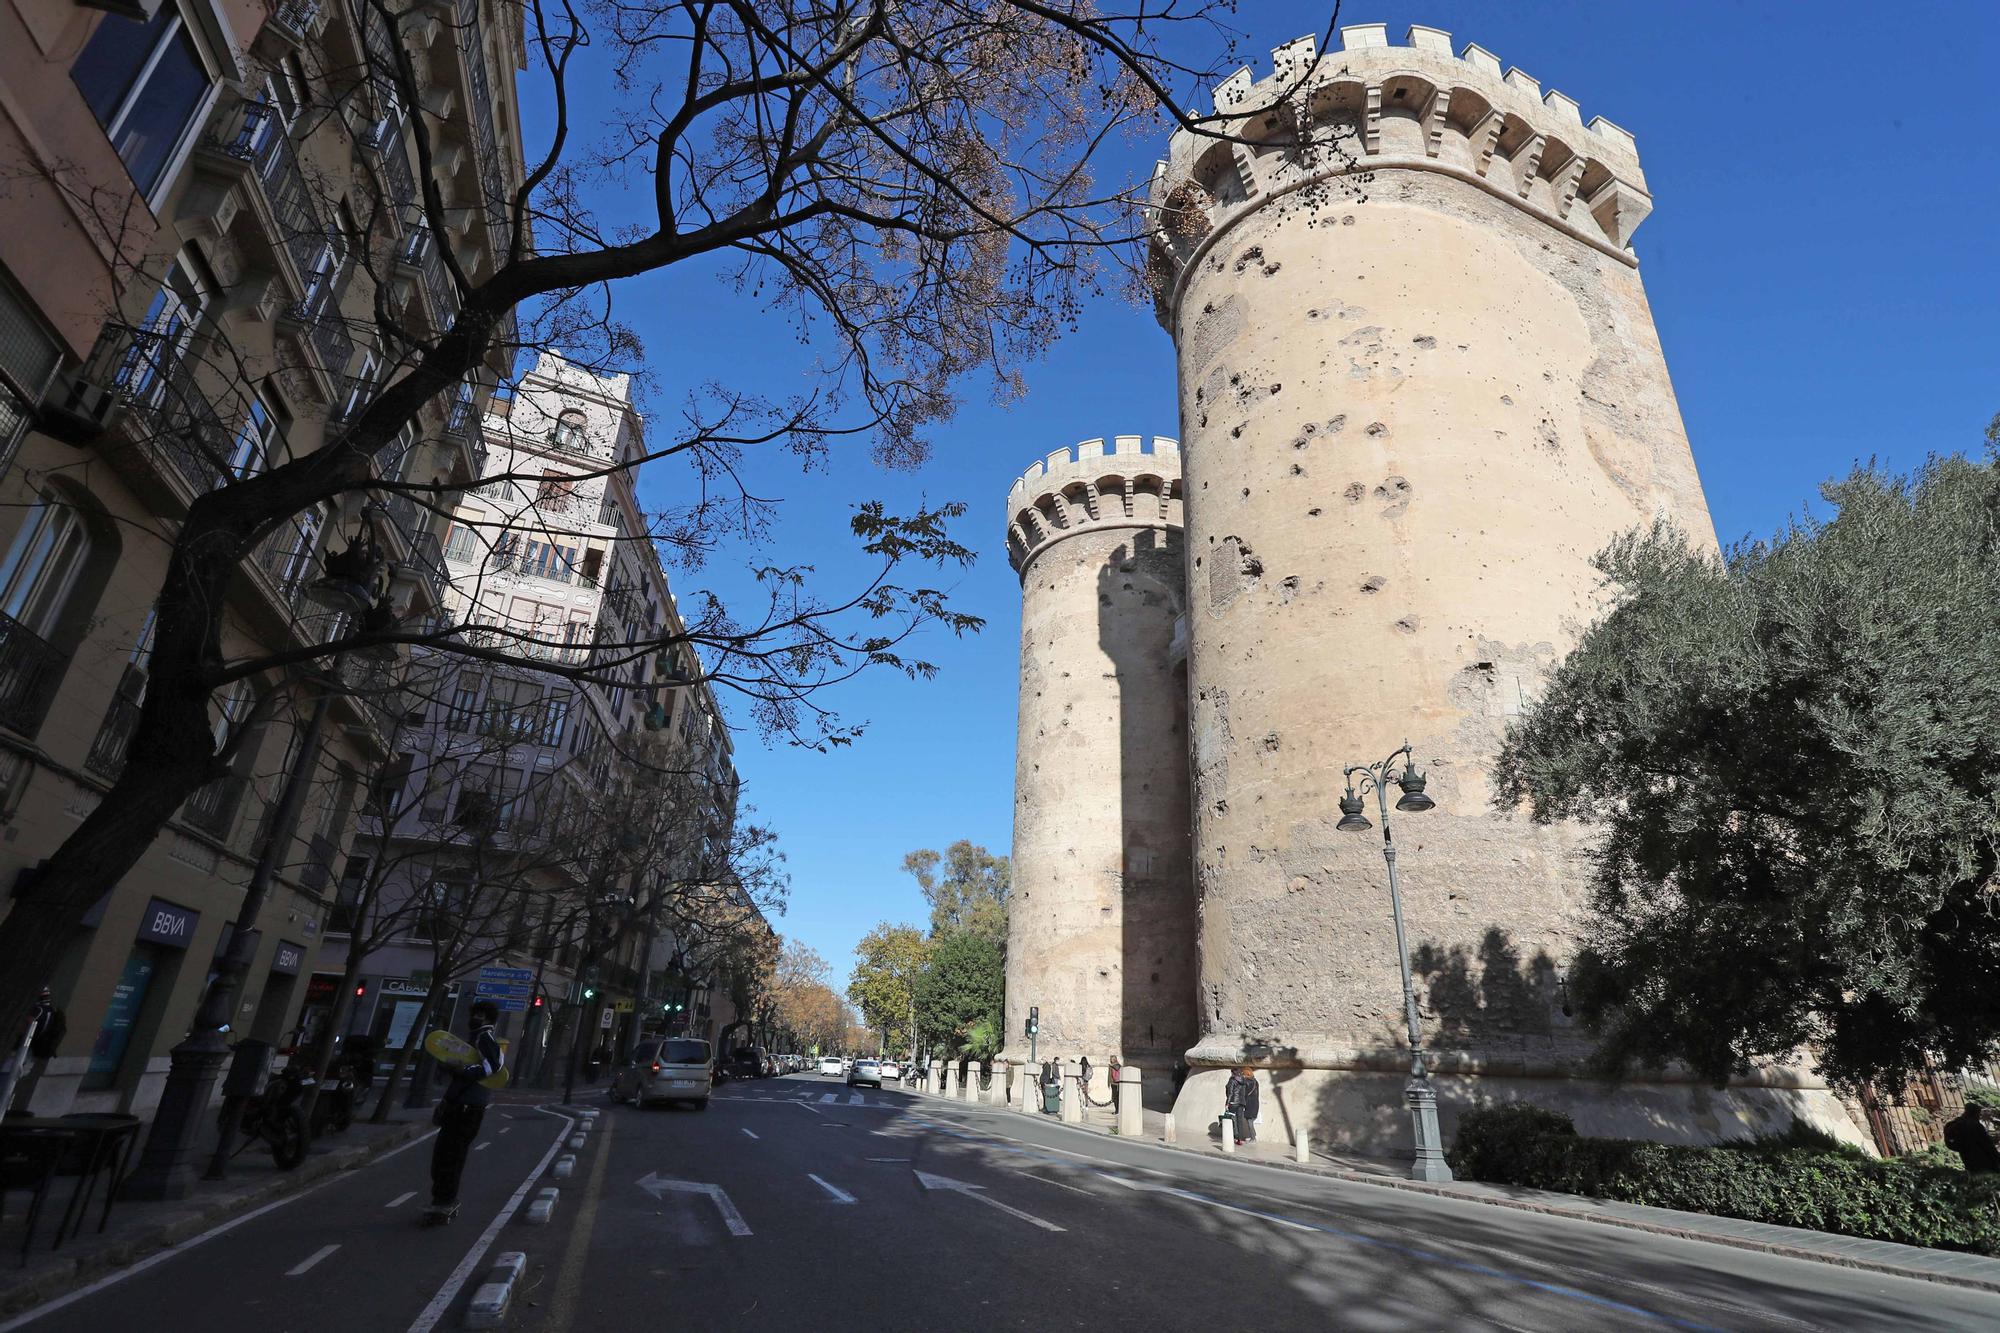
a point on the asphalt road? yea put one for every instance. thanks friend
(796, 1203)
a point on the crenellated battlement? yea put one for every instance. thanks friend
(1372, 106)
(1131, 481)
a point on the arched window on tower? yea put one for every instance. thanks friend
(568, 434)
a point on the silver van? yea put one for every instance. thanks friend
(666, 1069)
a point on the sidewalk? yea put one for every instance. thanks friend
(1965, 1270)
(138, 1229)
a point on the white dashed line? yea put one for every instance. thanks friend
(839, 1195)
(400, 1200)
(482, 1147)
(751, 1132)
(311, 1259)
(1057, 1183)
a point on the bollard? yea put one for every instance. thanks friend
(1072, 1090)
(565, 1167)
(935, 1084)
(1228, 1123)
(970, 1091)
(996, 1095)
(1173, 1129)
(1302, 1146)
(1131, 1106)
(1028, 1090)
(944, 1082)
(576, 1142)
(543, 1206)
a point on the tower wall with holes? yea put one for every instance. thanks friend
(1101, 918)
(1420, 387)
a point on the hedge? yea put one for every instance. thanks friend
(1910, 1201)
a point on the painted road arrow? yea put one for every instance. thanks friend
(931, 1182)
(659, 1185)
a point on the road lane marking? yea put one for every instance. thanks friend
(427, 1319)
(311, 1259)
(970, 1191)
(857, 1100)
(505, 1130)
(482, 1147)
(657, 1185)
(400, 1200)
(82, 1293)
(839, 1195)
(888, 1159)
(808, 1106)
(828, 1098)
(751, 1132)
(1061, 1185)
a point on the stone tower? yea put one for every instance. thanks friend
(1420, 387)
(1101, 921)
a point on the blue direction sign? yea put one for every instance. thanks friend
(510, 988)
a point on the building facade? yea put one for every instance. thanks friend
(1420, 388)
(207, 264)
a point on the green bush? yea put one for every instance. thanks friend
(1911, 1201)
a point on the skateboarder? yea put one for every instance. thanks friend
(459, 1112)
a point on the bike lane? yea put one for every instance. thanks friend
(349, 1253)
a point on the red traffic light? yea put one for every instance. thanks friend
(361, 990)
(538, 1002)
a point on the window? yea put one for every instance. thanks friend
(437, 793)
(465, 701)
(462, 544)
(42, 566)
(171, 319)
(257, 437)
(555, 720)
(146, 83)
(510, 708)
(385, 792)
(229, 709)
(555, 491)
(548, 561)
(593, 565)
(475, 805)
(568, 433)
(297, 565)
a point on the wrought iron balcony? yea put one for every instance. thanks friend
(252, 133)
(427, 562)
(212, 808)
(421, 253)
(30, 670)
(327, 334)
(385, 140)
(153, 376)
(466, 425)
(114, 738)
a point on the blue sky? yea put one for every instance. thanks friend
(1821, 262)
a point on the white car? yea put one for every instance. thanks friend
(890, 1069)
(830, 1066)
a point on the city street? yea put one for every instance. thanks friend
(797, 1202)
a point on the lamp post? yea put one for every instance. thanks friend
(1429, 1163)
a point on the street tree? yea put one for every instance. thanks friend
(887, 964)
(960, 995)
(966, 888)
(1791, 759)
(909, 187)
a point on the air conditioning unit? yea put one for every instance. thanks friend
(77, 411)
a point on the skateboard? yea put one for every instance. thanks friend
(435, 1216)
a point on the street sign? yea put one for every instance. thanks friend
(622, 1006)
(506, 983)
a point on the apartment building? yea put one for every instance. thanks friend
(207, 262)
(543, 817)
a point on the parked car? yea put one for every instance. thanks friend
(865, 1071)
(746, 1062)
(673, 1069)
(829, 1066)
(890, 1069)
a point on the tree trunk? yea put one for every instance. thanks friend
(410, 1049)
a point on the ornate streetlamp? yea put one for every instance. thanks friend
(1429, 1163)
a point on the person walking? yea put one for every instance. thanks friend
(1239, 1097)
(1116, 1067)
(1967, 1135)
(1083, 1078)
(461, 1110)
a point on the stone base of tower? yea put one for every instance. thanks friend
(1357, 1106)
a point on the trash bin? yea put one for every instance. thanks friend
(1051, 1099)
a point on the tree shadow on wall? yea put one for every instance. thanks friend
(1493, 997)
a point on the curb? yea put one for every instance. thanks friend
(490, 1301)
(1575, 1214)
(66, 1277)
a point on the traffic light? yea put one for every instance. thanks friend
(538, 1002)
(361, 990)
(1034, 1019)
(589, 991)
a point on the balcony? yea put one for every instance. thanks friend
(152, 375)
(420, 253)
(212, 808)
(251, 134)
(114, 738)
(324, 332)
(30, 670)
(466, 427)
(384, 140)
(426, 562)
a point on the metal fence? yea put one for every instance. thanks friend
(1912, 1118)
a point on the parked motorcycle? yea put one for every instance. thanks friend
(273, 1118)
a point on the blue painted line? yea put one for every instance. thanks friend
(1393, 1247)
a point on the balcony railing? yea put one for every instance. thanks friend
(427, 560)
(30, 670)
(480, 117)
(421, 253)
(212, 808)
(318, 869)
(327, 334)
(286, 557)
(467, 425)
(385, 140)
(155, 378)
(114, 738)
(252, 132)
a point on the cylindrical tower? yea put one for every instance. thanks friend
(1420, 387)
(1101, 919)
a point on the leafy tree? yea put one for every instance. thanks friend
(887, 964)
(960, 995)
(966, 888)
(1792, 757)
